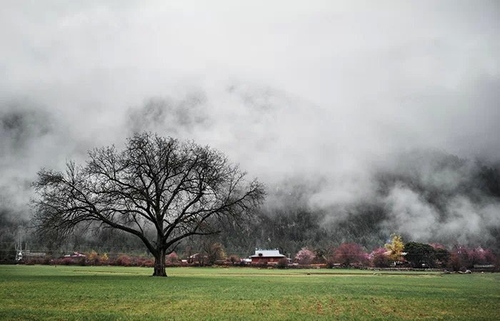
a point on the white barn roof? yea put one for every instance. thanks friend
(267, 253)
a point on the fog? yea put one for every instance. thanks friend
(329, 93)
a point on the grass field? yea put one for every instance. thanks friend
(120, 293)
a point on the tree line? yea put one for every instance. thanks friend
(402, 255)
(395, 254)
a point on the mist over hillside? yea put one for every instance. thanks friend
(362, 119)
(424, 194)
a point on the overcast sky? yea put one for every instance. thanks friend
(284, 88)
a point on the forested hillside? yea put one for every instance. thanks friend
(428, 197)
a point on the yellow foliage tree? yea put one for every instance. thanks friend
(92, 255)
(104, 258)
(395, 248)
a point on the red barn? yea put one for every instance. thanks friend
(266, 257)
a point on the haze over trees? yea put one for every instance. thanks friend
(426, 196)
(159, 190)
(289, 222)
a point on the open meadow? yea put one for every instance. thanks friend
(126, 293)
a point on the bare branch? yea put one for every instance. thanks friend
(177, 189)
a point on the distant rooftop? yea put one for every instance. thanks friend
(267, 253)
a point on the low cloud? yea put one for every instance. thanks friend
(330, 94)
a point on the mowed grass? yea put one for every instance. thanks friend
(119, 293)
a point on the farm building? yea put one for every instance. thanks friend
(28, 255)
(266, 256)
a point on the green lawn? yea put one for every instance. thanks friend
(117, 293)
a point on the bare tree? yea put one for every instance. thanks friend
(159, 189)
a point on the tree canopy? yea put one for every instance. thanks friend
(420, 254)
(158, 189)
(395, 248)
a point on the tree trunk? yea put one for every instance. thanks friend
(159, 268)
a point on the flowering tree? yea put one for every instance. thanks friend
(379, 258)
(348, 254)
(304, 256)
(463, 257)
(172, 258)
